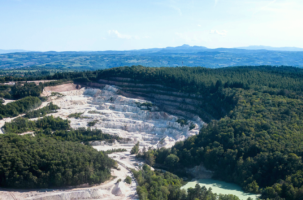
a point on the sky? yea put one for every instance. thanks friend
(92, 25)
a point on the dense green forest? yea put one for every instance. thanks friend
(5, 91)
(156, 185)
(39, 162)
(20, 90)
(28, 89)
(54, 157)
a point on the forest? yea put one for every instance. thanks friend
(40, 162)
(255, 139)
(55, 157)
(27, 89)
(156, 185)
(20, 90)
(255, 136)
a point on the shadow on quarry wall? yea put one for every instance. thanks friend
(167, 99)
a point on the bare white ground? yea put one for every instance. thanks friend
(117, 115)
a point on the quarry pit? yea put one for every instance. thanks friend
(153, 122)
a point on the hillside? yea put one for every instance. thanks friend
(250, 120)
(256, 138)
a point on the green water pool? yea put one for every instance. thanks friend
(221, 187)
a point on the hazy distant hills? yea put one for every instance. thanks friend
(179, 49)
(196, 49)
(271, 48)
(11, 51)
(184, 55)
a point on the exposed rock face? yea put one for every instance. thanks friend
(168, 99)
(137, 119)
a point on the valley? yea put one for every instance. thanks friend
(151, 100)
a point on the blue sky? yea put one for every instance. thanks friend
(64, 25)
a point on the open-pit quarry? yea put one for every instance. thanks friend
(148, 114)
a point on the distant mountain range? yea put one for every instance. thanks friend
(179, 49)
(184, 55)
(196, 49)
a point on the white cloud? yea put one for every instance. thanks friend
(199, 25)
(222, 33)
(119, 35)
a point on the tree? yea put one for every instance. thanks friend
(171, 160)
(135, 149)
(150, 158)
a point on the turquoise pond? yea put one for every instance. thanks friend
(221, 187)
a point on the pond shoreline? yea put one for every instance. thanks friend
(220, 187)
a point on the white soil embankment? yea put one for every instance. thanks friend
(6, 101)
(60, 88)
(40, 81)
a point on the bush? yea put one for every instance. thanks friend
(128, 180)
(93, 123)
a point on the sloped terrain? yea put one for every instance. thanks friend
(116, 112)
